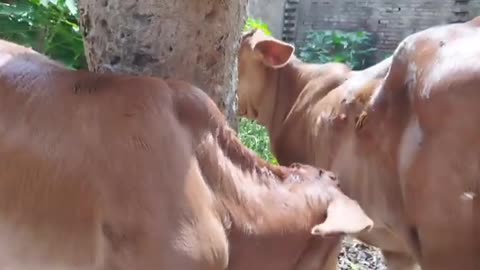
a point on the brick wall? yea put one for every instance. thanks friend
(389, 20)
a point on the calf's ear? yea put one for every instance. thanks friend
(344, 216)
(273, 52)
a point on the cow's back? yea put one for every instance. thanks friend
(96, 169)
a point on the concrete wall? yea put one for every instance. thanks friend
(269, 11)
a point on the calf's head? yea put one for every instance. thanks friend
(304, 224)
(343, 215)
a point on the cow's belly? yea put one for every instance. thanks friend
(375, 188)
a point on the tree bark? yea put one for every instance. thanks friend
(192, 40)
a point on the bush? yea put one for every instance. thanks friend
(353, 48)
(255, 137)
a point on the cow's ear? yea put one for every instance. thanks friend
(344, 216)
(273, 52)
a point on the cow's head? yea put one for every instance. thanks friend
(259, 57)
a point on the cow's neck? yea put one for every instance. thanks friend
(281, 90)
(294, 89)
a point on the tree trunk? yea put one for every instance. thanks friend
(192, 40)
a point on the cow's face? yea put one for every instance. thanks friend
(259, 56)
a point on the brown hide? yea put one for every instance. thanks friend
(123, 172)
(403, 136)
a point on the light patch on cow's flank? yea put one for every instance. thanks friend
(411, 140)
(468, 196)
(4, 58)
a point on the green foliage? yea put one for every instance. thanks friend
(48, 26)
(252, 24)
(353, 48)
(255, 137)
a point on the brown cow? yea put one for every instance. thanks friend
(403, 136)
(123, 172)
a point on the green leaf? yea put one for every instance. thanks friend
(252, 24)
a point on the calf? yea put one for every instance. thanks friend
(403, 136)
(124, 172)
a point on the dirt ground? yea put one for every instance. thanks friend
(357, 256)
